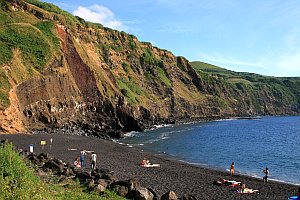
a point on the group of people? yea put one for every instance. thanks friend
(80, 162)
(265, 171)
(235, 186)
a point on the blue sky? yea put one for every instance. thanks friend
(258, 36)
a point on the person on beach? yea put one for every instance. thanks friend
(93, 160)
(243, 188)
(82, 160)
(266, 172)
(77, 162)
(145, 162)
(232, 169)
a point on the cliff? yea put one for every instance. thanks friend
(58, 71)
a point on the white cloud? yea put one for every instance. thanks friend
(286, 65)
(99, 14)
(176, 29)
(217, 58)
(290, 63)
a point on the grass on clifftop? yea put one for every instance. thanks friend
(17, 181)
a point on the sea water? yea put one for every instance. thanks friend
(252, 144)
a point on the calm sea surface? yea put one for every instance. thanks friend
(272, 142)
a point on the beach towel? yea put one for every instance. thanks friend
(232, 183)
(247, 191)
(150, 165)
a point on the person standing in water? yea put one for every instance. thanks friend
(266, 172)
(232, 169)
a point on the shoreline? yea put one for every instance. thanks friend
(248, 172)
(173, 174)
(204, 166)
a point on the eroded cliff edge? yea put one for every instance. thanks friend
(76, 74)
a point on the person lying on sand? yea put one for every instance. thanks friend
(244, 190)
(147, 163)
(225, 182)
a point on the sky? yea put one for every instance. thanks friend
(257, 36)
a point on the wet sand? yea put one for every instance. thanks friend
(172, 175)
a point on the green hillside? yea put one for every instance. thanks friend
(57, 69)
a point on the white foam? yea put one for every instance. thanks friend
(72, 149)
(130, 134)
(221, 120)
(162, 125)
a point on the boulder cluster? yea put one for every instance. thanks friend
(96, 180)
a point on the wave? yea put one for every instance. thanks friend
(131, 134)
(163, 125)
(221, 120)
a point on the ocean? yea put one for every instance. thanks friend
(252, 144)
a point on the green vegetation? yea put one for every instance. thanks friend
(131, 90)
(17, 181)
(126, 67)
(282, 90)
(71, 20)
(132, 44)
(163, 77)
(33, 44)
(4, 89)
(47, 27)
(158, 72)
(147, 58)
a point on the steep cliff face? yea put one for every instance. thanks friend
(78, 74)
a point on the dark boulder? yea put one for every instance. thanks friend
(55, 165)
(155, 197)
(120, 190)
(33, 159)
(100, 185)
(83, 176)
(125, 188)
(188, 197)
(42, 156)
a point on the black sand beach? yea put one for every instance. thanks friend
(172, 175)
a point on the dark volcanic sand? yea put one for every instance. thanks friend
(172, 175)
